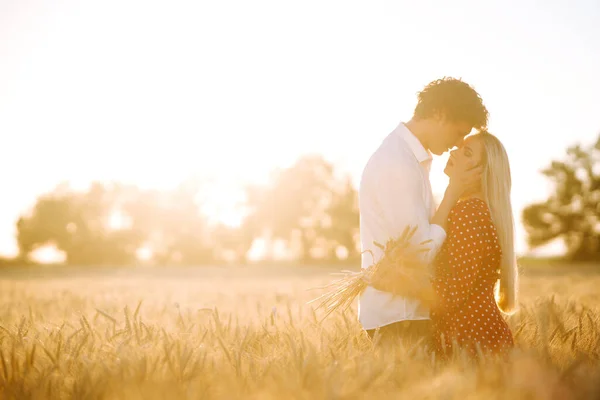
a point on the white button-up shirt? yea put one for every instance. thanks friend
(395, 192)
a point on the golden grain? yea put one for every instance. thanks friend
(250, 334)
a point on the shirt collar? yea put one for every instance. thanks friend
(421, 154)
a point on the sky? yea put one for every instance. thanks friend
(152, 92)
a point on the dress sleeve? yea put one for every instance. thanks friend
(468, 240)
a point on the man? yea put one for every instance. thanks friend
(395, 192)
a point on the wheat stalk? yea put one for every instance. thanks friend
(400, 271)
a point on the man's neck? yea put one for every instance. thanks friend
(417, 129)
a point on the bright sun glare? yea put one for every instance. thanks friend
(148, 92)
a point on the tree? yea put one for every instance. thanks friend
(79, 224)
(176, 230)
(307, 206)
(110, 223)
(572, 212)
(232, 243)
(342, 225)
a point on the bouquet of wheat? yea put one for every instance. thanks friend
(400, 271)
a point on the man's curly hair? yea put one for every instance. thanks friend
(454, 99)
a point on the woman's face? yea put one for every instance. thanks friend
(469, 155)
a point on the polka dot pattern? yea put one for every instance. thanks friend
(466, 270)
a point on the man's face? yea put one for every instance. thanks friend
(446, 135)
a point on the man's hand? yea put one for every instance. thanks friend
(465, 180)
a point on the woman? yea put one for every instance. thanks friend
(478, 252)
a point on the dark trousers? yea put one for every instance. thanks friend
(409, 332)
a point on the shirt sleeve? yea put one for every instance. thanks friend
(468, 242)
(399, 193)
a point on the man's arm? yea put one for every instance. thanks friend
(397, 187)
(399, 192)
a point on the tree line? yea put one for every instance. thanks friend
(309, 206)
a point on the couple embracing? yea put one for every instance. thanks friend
(470, 233)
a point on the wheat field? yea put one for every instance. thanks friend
(227, 333)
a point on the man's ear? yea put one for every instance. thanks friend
(439, 117)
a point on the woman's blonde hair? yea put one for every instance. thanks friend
(496, 186)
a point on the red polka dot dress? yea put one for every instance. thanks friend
(466, 270)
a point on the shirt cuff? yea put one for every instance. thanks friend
(438, 235)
